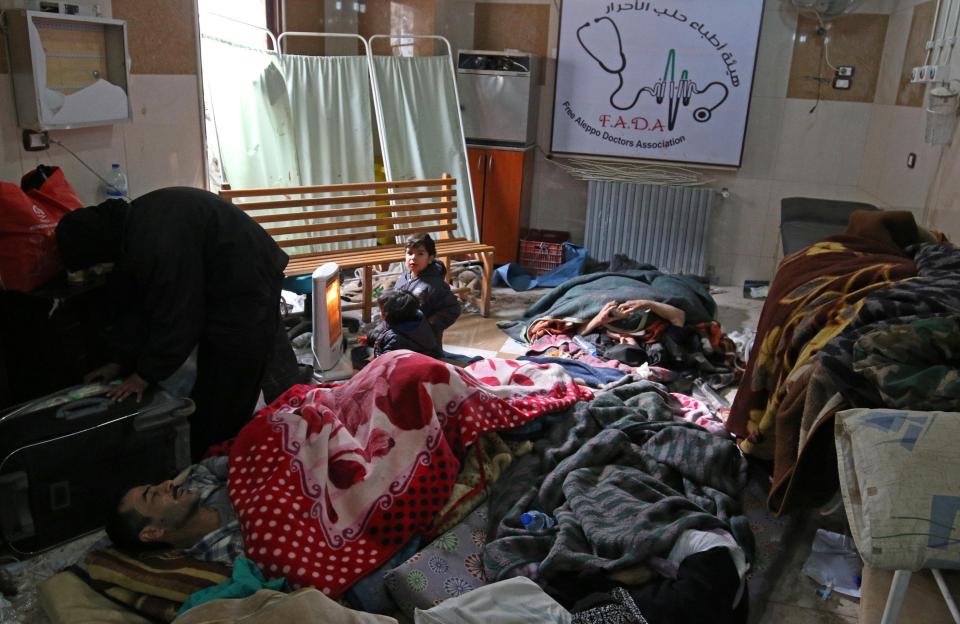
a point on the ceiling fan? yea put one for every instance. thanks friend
(826, 9)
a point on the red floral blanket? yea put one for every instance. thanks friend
(329, 482)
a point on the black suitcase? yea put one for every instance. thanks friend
(65, 456)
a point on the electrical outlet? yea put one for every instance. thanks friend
(34, 141)
(842, 84)
(845, 71)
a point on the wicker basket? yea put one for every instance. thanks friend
(540, 256)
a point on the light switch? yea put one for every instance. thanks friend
(841, 83)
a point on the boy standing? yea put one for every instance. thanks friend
(423, 276)
(403, 326)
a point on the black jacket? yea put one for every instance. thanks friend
(193, 267)
(437, 301)
(413, 335)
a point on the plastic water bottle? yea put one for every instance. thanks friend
(585, 345)
(116, 184)
(536, 521)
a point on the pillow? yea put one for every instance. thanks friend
(450, 566)
(900, 480)
(169, 574)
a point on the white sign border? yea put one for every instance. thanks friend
(648, 160)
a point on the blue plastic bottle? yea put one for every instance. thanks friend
(536, 521)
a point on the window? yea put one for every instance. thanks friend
(262, 13)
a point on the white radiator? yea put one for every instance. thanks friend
(665, 226)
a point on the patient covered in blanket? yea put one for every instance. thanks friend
(344, 474)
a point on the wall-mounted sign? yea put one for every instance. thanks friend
(661, 80)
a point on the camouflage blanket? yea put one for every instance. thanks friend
(805, 467)
(623, 480)
(910, 363)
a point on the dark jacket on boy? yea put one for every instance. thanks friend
(415, 335)
(438, 303)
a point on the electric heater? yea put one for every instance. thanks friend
(327, 327)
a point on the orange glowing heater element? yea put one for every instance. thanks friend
(327, 328)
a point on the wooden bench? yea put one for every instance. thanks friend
(377, 215)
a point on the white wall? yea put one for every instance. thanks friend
(897, 131)
(160, 147)
(943, 203)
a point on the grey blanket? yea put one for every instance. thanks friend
(623, 480)
(581, 298)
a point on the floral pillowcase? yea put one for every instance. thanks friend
(450, 566)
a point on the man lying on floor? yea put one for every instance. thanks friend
(326, 484)
(192, 513)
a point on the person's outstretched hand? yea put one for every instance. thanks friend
(607, 314)
(610, 312)
(134, 384)
(635, 305)
(106, 373)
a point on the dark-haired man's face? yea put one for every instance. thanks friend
(417, 259)
(167, 506)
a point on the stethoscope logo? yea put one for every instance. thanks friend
(606, 49)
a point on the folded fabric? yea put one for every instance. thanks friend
(520, 279)
(451, 565)
(514, 276)
(169, 575)
(592, 376)
(268, 607)
(66, 598)
(245, 581)
(513, 600)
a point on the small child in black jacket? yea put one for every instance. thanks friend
(423, 275)
(403, 326)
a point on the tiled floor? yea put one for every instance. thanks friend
(793, 599)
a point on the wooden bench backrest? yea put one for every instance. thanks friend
(366, 211)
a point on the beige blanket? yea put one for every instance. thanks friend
(66, 599)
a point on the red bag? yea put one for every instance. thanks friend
(28, 220)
